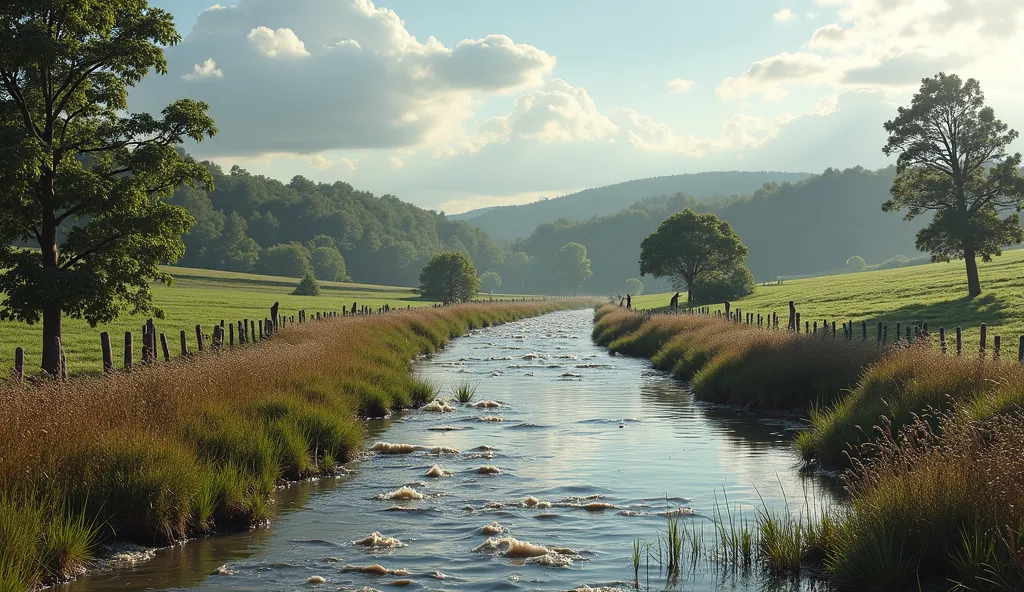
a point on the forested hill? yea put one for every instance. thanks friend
(255, 223)
(511, 222)
(791, 229)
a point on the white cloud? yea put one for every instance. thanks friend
(320, 75)
(396, 162)
(783, 16)
(207, 69)
(351, 163)
(271, 43)
(679, 85)
(891, 44)
(319, 162)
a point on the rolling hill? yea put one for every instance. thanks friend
(512, 222)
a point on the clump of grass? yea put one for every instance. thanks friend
(464, 392)
(199, 445)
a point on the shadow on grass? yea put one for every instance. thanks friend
(960, 312)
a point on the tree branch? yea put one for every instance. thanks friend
(89, 251)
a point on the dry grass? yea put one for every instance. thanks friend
(735, 363)
(184, 448)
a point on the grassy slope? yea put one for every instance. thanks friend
(934, 293)
(198, 296)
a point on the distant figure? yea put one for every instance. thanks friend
(629, 302)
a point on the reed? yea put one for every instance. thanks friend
(464, 392)
(198, 445)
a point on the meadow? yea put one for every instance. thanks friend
(936, 293)
(928, 445)
(197, 297)
(176, 450)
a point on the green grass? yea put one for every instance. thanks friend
(197, 297)
(935, 293)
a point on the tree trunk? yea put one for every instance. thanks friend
(689, 295)
(973, 282)
(52, 308)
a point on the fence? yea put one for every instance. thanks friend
(904, 335)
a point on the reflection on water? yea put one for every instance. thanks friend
(590, 452)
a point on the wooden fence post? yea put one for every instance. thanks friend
(199, 338)
(261, 330)
(252, 331)
(833, 329)
(899, 326)
(959, 341)
(984, 338)
(163, 346)
(878, 334)
(128, 355)
(184, 344)
(995, 347)
(793, 323)
(1020, 350)
(815, 327)
(885, 334)
(864, 330)
(108, 354)
(273, 315)
(19, 363)
(147, 355)
(942, 339)
(231, 335)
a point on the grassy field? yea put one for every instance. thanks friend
(197, 297)
(935, 293)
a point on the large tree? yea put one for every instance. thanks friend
(692, 249)
(953, 162)
(75, 164)
(449, 276)
(573, 266)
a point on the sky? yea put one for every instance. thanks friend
(459, 104)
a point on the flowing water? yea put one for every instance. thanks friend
(586, 452)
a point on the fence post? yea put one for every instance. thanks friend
(163, 346)
(807, 327)
(796, 322)
(833, 329)
(984, 338)
(878, 334)
(793, 322)
(199, 338)
(261, 330)
(128, 355)
(959, 342)
(815, 327)
(231, 335)
(147, 355)
(19, 363)
(108, 354)
(273, 315)
(885, 335)
(864, 330)
(252, 331)
(942, 339)
(899, 326)
(184, 344)
(995, 347)
(1020, 350)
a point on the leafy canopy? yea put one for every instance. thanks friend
(573, 266)
(449, 276)
(953, 162)
(490, 281)
(692, 249)
(83, 179)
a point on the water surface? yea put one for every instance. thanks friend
(577, 427)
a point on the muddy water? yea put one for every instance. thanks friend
(585, 454)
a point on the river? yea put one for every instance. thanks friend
(592, 450)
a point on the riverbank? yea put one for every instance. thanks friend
(197, 446)
(929, 442)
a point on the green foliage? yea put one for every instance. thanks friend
(856, 264)
(76, 165)
(308, 286)
(724, 285)
(490, 281)
(953, 162)
(572, 266)
(449, 276)
(690, 248)
(635, 287)
(285, 260)
(328, 264)
(234, 250)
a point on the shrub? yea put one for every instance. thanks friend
(308, 286)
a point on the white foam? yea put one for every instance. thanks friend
(488, 470)
(444, 450)
(378, 541)
(394, 448)
(486, 404)
(492, 418)
(404, 493)
(492, 529)
(316, 580)
(437, 472)
(438, 406)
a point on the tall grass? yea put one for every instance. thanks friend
(735, 363)
(158, 455)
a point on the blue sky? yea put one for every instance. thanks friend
(459, 104)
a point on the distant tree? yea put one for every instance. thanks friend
(953, 162)
(328, 264)
(449, 276)
(855, 264)
(572, 266)
(634, 286)
(490, 281)
(73, 159)
(308, 286)
(235, 250)
(321, 240)
(285, 260)
(724, 285)
(690, 248)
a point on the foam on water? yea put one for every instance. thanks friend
(492, 529)
(393, 448)
(404, 493)
(375, 570)
(444, 450)
(316, 580)
(532, 502)
(488, 470)
(492, 418)
(486, 404)
(376, 540)
(437, 472)
(438, 406)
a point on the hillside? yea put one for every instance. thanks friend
(935, 293)
(512, 222)
(810, 227)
